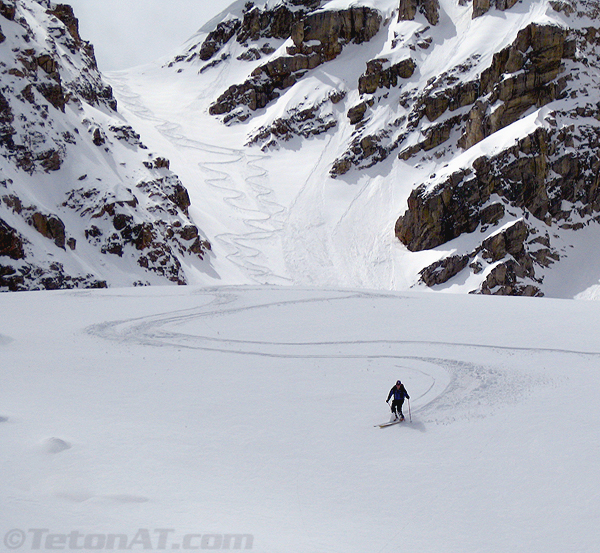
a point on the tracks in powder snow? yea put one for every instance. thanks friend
(242, 184)
(448, 385)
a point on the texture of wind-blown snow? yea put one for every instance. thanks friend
(251, 410)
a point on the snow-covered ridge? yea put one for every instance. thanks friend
(83, 202)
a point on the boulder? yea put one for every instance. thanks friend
(49, 226)
(407, 10)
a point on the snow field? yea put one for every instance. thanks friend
(250, 410)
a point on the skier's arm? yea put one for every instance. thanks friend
(389, 395)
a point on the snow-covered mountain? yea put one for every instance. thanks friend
(83, 202)
(343, 145)
(384, 144)
(443, 144)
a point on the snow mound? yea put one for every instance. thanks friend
(55, 445)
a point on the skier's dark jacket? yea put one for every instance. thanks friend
(399, 394)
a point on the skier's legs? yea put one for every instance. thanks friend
(399, 403)
(397, 407)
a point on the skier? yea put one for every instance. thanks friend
(399, 392)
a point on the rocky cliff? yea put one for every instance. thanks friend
(83, 202)
(490, 109)
(517, 198)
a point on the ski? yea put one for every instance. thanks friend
(390, 423)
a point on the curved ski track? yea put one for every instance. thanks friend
(457, 386)
(260, 214)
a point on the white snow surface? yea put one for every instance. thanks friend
(170, 413)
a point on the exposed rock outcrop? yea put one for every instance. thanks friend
(49, 226)
(524, 75)
(318, 38)
(495, 147)
(55, 107)
(11, 244)
(429, 8)
(481, 7)
(8, 9)
(255, 24)
(521, 76)
(380, 74)
(302, 121)
(539, 176)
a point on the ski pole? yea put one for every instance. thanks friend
(409, 413)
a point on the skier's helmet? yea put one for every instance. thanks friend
(398, 383)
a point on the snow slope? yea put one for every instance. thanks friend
(276, 215)
(250, 411)
(83, 202)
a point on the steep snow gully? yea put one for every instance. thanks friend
(238, 179)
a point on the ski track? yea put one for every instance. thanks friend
(262, 217)
(457, 388)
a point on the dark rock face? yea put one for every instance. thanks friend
(43, 123)
(51, 227)
(537, 175)
(356, 114)
(256, 24)
(381, 75)
(334, 29)
(161, 240)
(481, 7)
(11, 244)
(65, 13)
(442, 271)
(318, 38)
(53, 277)
(8, 9)
(407, 10)
(42, 83)
(263, 87)
(275, 23)
(521, 76)
(524, 75)
(218, 38)
(545, 177)
(305, 122)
